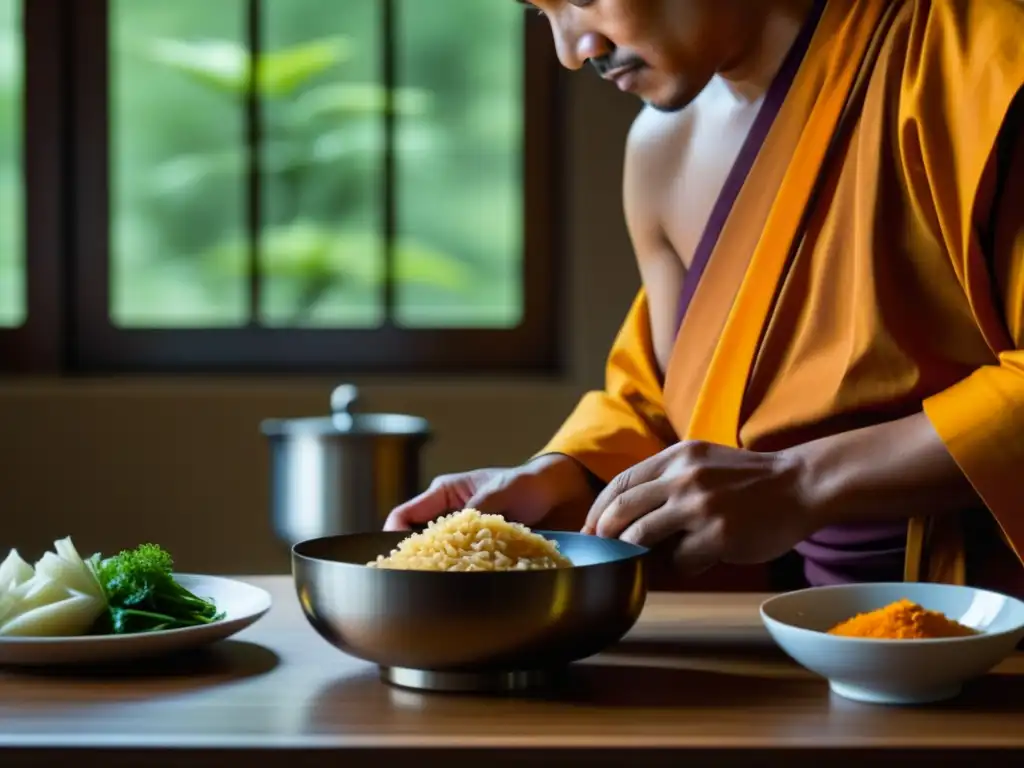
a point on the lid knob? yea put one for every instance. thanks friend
(343, 399)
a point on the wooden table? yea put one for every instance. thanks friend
(696, 680)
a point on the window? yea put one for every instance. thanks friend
(278, 185)
(12, 261)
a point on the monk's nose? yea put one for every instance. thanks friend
(576, 48)
(592, 46)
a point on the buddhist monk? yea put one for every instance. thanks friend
(826, 357)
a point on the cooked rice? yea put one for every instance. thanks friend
(471, 541)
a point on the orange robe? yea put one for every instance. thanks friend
(885, 275)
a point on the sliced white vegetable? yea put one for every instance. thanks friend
(14, 571)
(61, 596)
(73, 615)
(90, 581)
(7, 602)
(68, 569)
(37, 592)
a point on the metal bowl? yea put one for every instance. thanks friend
(470, 631)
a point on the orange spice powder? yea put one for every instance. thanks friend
(902, 620)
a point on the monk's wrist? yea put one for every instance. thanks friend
(825, 484)
(567, 479)
(887, 472)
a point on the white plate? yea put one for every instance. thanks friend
(241, 603)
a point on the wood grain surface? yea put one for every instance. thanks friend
(698, 677)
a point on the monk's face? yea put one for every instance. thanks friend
(663, 51)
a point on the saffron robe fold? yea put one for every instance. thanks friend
(872, 266)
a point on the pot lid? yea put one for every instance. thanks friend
(343, 421)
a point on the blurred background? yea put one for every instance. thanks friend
(161, 453)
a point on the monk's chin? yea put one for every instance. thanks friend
(675, 103)
(668, 108)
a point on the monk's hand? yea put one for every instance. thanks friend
(525, 494)
(720, 504)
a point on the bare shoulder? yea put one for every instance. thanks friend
(654, 151)
(655, 139)
(654, 148)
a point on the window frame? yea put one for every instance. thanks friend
(68, 236)
(37, 345)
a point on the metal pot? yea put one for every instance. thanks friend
(343, 473)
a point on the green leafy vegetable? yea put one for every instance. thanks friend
(142, 595)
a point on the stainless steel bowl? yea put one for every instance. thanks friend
(470, 631)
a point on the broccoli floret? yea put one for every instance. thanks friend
(133, 576)
(143, 596)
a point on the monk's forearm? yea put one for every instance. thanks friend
(888, 472)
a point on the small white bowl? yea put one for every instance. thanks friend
(895, 671)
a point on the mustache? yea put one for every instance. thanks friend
(610, 62)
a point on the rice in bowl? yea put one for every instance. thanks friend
(472, 541)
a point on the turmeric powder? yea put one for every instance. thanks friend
(902, 620)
